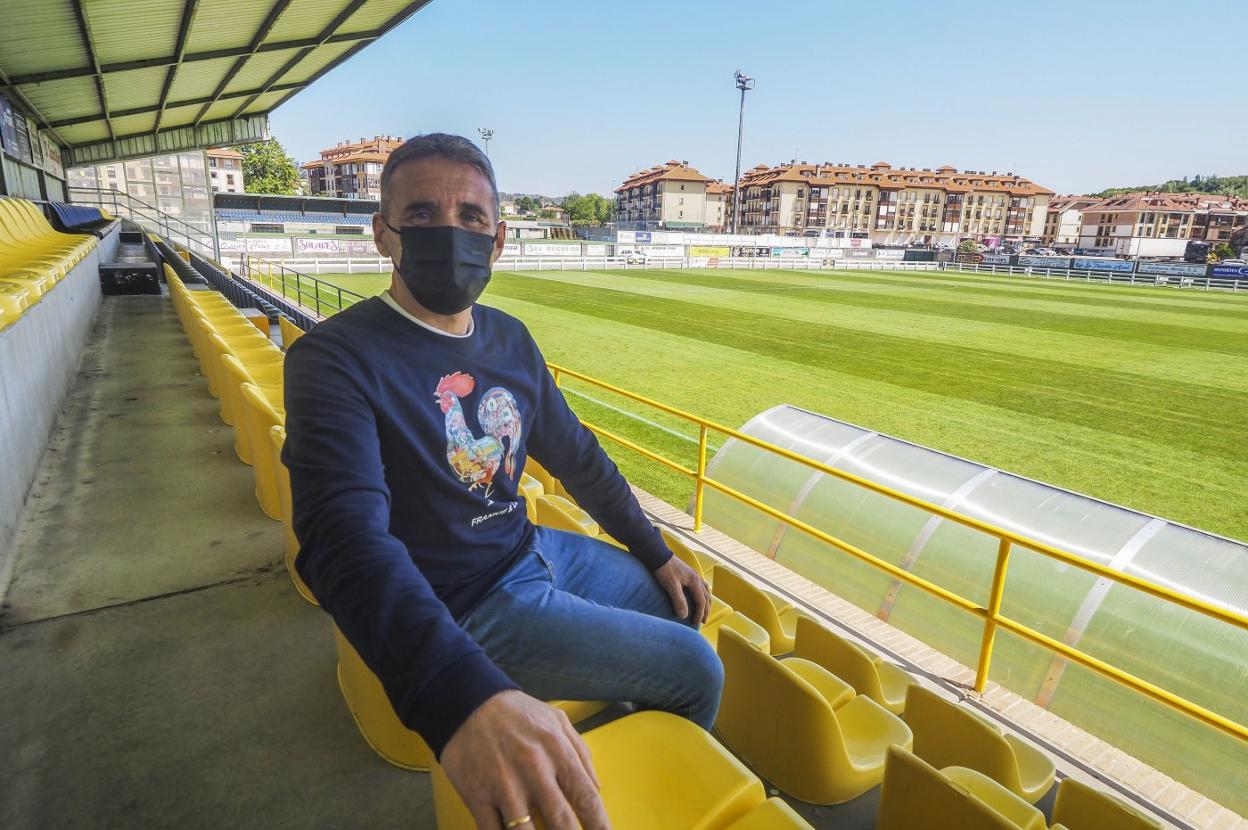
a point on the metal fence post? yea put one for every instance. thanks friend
(994, 611)
(700, 487)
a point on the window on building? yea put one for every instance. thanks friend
(229, 179)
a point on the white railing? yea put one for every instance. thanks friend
(1072, 275)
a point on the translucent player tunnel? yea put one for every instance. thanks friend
(1189, 654)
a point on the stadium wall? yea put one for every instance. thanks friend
(39, 357)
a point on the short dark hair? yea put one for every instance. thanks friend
(438, 145)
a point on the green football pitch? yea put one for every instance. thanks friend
(1134, 395)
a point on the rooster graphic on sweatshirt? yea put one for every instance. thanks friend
(475, 461)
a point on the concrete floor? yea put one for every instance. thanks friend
(156, 667)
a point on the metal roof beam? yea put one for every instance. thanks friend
(325, 35)
(188, 15)
(270, 20)
(193, 57)
(85, 31)
(186, 102)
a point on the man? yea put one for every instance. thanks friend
(409, 417)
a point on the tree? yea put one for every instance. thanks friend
(525, 205)
(590, 209)
(267, 169)
(1224, 251)
(968, 246)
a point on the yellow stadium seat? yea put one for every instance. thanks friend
(34, 283)
(234, 375)
(290, 332)
(266, 373)
(531, 489)
(290, 550)
(259, 417)
(1080, 807)
(658, 772)
(380, 726)
(558, 513)
(784, 727)
(14, 299)
(533, 468)
(834, 690)
(997, 797)
(250, 347)
(772, 814)
(700, 562)
(949, 735)
(917, 796)
(754, 633)
(775, 615)
(882, 682)
(718, 610)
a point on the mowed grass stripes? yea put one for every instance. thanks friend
(1134, 395)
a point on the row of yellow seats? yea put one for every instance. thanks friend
(916, 795)
(34, 256)
(244, 373)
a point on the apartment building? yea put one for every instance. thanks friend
(891, 206)
(1063, 223)
(225, 170)
(1145, 224)
(351, 170)
(673, 196)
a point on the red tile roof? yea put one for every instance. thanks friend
(671, 171)
(886, 177)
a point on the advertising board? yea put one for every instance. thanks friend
(709, 250)
(890, 253)
(790, 252)
(994, 259)
(268, 245)
(1090, 264)
(552, 248)
(318, 246)
(1172, 269)
(1231, 271)
(1045, 261)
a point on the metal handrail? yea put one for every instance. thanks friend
(991, 614)
(263, 271)
(161, 222)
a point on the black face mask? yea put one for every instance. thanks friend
(446, 268)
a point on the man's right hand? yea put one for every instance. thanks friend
(517, 756)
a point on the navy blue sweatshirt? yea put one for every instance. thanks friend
(405, 449)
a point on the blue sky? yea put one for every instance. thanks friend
(1077, 96)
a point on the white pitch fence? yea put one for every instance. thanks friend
(1105, 277)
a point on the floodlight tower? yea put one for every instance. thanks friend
(744, 83)
(486, 135)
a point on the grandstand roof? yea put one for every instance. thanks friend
(114, 82)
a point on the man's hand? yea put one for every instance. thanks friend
(517, 756)
(675, 577)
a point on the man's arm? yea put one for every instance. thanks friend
(434, 673)
(572, 454)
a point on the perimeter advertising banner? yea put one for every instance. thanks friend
(746, 250)
(1088, 264)
(1172, 269)
(709, 250)
(318, 246)
(994, 259)
(553, 248)
(790, 252)
(1045, 261)
(1232, 271)
(860, 253)
(266, 245)
(511, 249)
(890, 253)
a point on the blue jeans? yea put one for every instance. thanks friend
(578, 619)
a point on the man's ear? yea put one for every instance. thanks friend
(500, 239)
(380, 237)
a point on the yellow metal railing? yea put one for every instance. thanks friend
(991, 615)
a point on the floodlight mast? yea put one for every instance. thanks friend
(486, 135)
(744, 83)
